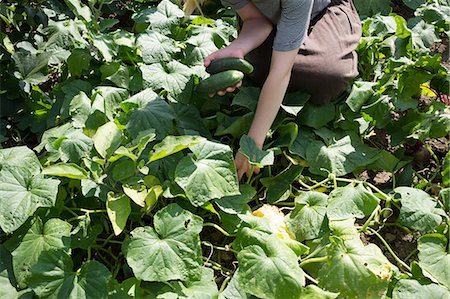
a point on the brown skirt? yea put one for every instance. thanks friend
(327, 60)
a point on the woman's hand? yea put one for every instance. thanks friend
(223, 53)
(229, 51)
(243, 166)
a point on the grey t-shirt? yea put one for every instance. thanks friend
(292, 18)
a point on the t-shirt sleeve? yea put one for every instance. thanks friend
(293, 25)
(235, 4)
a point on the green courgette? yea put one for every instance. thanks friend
(229, 63)
(219, 81)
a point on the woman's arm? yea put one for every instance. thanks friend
(256, 28)
(270, 99)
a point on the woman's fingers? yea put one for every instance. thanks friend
(229, 89)
(244, 167)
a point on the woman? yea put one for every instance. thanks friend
(306, 45)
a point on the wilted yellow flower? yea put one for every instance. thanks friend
(275, 219)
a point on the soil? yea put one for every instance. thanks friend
(402, 244)
(224, 258)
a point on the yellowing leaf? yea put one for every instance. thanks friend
(118, 209)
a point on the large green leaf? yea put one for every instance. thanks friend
(340, 154)
(247, 97)
(166, 15)
(119, 74)
(424, 35)
(204, 288)
(209, 174)
(253, 231)
(409, 288)
(258, 230)
(308, 220)
(233, 289)
(161, 18)
(79, 61)
(345, 229)
(65, 143)
(7, 282)
(79, 109)
(30, 65)
(156, 47)
(235, 126)
(19, 157)
(107, 99)
(105, 45)
(354, 270)
(315, 116)
(278, 273)
(313, 292)
(414, 4)
(85, 233)
(300, 145)
(174, 144)
(54, 234)
(66, 34)
(278, 187)
(169, 251)
(198, 47)
(156, 115)
(20, 196)
(349, 201)
(139, 100)
(172, 76)
(189, 121)
(418, 210)
(82, 11)
(107, 139)
(255, 156)
(434, 258)
(68, 170)
(361, 92)
(237, 204)
(52, 277)
(368, 8)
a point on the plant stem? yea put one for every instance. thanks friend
(89, 254)
(435, 158)
(252, 168)
(75, 218)
(411, 254)
(216, 266)
(224, 284)
(109, 253)
(400, 263)
(226, 248)
(88, 211)
(224, 232)
(387, 207)
(320, 184)
(70, 211)
(334, 181)
(286, 203)
(105, 241)
(317, 250)
(367, 223)
(109, 241)
(321, 259)
(310, 278)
